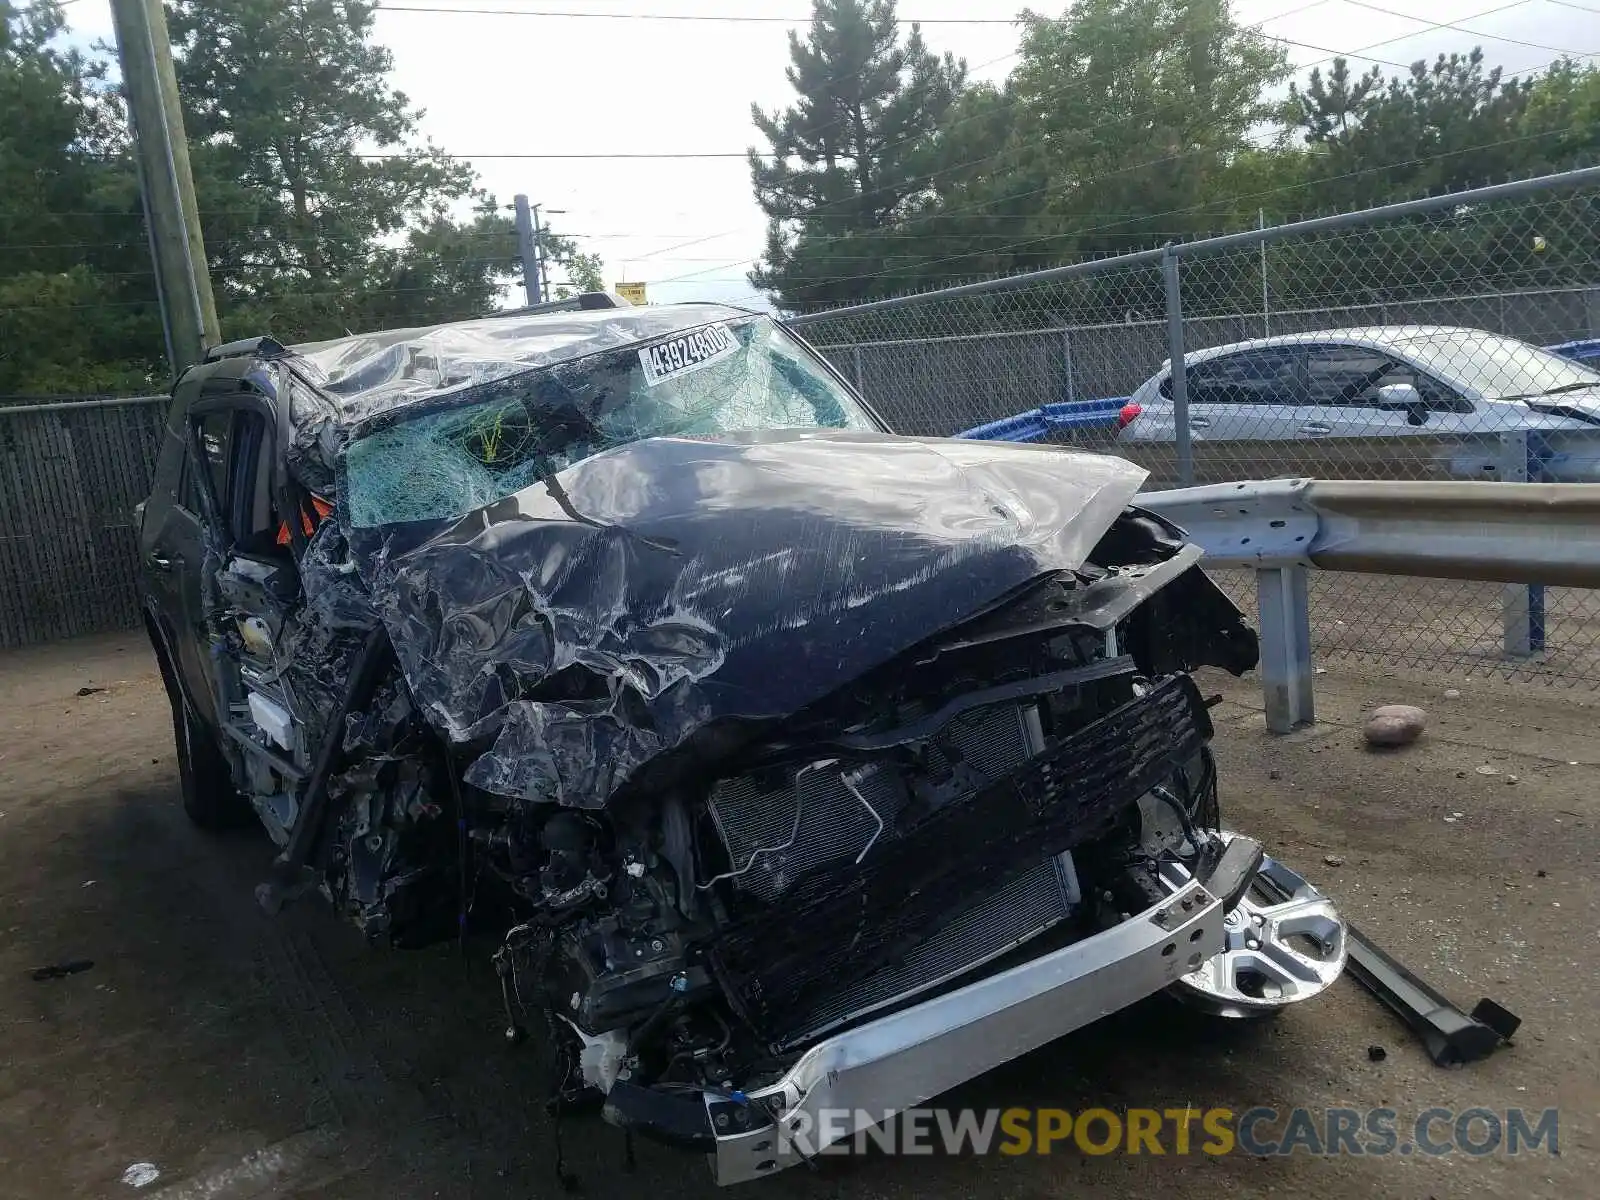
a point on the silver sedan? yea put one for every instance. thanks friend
(1462, 389)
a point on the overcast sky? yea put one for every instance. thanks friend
(507, 83)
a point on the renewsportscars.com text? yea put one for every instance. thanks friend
(1260, 1131)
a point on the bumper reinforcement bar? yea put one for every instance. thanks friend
(910, 1056)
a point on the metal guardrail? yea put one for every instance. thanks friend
(1522, 534)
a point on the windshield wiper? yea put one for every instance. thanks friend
(1555, 391)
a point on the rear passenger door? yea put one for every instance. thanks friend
(253, 578)
(1251, 395)
(171, 547)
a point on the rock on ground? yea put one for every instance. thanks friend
(1394, 725)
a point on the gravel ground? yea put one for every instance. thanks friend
(246, 1057)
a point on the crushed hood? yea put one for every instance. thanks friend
(589, 624)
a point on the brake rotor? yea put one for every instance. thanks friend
(1284, 942)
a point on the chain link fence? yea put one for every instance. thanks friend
(1438, 339)
(71, 471)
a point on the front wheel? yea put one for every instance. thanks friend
(209, 797)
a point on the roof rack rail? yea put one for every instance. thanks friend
(264, 347)
(581, 302)
(270, 347)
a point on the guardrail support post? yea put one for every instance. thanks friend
(1522, 604)
(1180, 382)
(1286, 674)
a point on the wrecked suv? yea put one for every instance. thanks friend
(795, 766)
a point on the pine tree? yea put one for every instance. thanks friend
(77, 300)
(281, 101)
(851, 156)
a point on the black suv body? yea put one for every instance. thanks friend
(746, 725)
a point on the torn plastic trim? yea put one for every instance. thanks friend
(288, 870)
(1107, 601)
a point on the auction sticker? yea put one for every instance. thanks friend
(686, 353)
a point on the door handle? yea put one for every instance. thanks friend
(1315, 428)
(1199, 422)
(160, 562)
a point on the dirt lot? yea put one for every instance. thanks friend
(247, 1057)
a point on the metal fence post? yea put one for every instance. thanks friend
(1522, 604)
(1180, 384)
(1066, 360)
(1286, 674)
(859, 386)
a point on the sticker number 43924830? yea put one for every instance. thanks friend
(685, 353)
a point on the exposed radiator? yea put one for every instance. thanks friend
(1021, 910)
(850, 922)
(758, 825)
(776, 830)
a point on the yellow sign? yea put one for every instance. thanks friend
(633, 293)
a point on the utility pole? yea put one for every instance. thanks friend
(183, 281)
(538, 250)
(528, 248)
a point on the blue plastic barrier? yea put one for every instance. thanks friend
(1584, 350)
(1038, 424)
(1024, 427)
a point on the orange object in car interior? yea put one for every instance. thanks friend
(324, 510)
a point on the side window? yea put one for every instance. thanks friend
(234, 451)
(1352, 375)
(1441, 397)
(1267, 376)
(1349, 375)
(216, 445)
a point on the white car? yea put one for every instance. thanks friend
(1461, 388)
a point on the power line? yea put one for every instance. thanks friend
(977, 209)
(1432, 25)
(355, 294)
(139, 243)
(622, 154)
(729, 18)
(1072, 85)
(745, 262)
(949, 215)
(1201, 207)
(1427, 158)
(668, 155)
(744, 154)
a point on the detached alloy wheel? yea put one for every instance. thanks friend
(1284, 942)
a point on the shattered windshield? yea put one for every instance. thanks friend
(726, 377)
